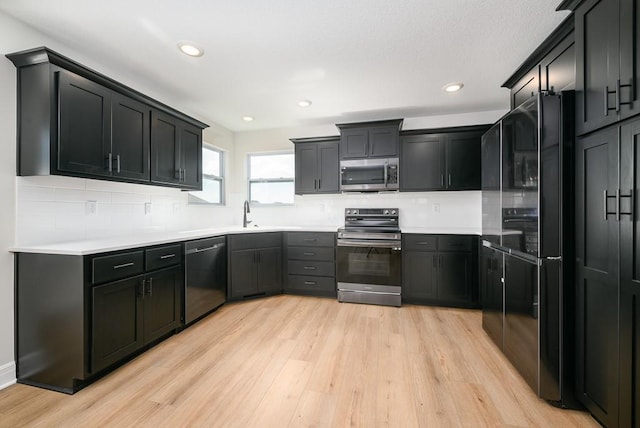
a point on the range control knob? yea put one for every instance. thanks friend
(393, 212)
(348, 212)
(386, 212)
(354, 212)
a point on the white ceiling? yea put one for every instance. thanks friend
(355, 59)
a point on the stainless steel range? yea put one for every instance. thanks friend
(369, 259)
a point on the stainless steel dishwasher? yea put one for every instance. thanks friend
(205, 277)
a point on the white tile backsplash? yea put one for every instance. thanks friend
(54, 209)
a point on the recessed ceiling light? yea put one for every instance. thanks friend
(304, 103)
(247, 118)
(452, 87)
(189, 48)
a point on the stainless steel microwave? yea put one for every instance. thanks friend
(369, 175)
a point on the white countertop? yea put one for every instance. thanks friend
(86, 247)
(81, 248)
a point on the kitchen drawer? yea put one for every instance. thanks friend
(165, 256)
(311, 253)
(420, 242)
(311, 239)
(252, 241)
(117, 266)
(455, 243)
(311, 268)
(311, 283)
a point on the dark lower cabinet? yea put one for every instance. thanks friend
(78, 316)
(310, 263)
(255, 264)
(440, 270)
(117, 329)
(133, 312)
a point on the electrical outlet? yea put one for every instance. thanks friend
(436, 208)
(147, 208)
(91, 207)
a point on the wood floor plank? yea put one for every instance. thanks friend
(304, 361)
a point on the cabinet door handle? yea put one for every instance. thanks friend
(366, 149)
(124, 265)
(141, 288)
(310, 283)
(619, 102)
(319, 181)
(449, 179)
(118, 162)
(422, 243)
(441, 180)
(110, 162)
(178, 174)
(309, 254)
(631, 202)
(309, 239)
(167, 256)
(309, 268)
(604, 204)
(150, 292)
(606, 93)
(315, 184)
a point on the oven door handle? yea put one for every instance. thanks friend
(395, 245)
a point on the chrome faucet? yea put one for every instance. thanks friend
(246, 210)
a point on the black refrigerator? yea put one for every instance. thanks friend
(527, 256)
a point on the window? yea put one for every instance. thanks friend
(271, 178)
(212, 178)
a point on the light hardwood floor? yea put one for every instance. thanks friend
(302, 362)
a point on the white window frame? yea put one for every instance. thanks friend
(269, 180)
(220, 178)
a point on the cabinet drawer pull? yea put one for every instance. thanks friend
(310, 283)
(309, 239)
(309, 254)
(167, 256)
(309, 267)
(422, 243)
(124, 265)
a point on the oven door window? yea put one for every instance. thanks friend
(369, 265)
(363, 175)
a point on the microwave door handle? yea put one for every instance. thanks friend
(386, 173)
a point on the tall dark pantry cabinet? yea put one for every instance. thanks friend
(607, 232)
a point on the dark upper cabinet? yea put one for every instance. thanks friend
(129, 138)
(84, 144)
(422, 162)
(369, 139)
(550, 67)
(176, 152)
(442, 159)
(317, 165)
(463, 161)
(440, 270)
(74, 121)
(607, 62)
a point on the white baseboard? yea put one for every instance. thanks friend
(7, 374)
